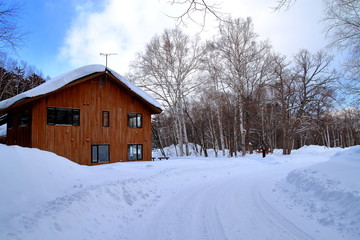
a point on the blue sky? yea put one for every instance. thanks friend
(66, 34)
(46, 23)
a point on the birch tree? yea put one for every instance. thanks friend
(167, 68)
(213, 72)
(244, 64)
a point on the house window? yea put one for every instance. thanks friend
(63, 116)
(24, 117)
(106, 119)
(135, 152)
(135, 120)
(10, 121)
(100, 153)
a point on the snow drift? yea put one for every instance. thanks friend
(329, 191)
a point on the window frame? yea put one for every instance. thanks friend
(97, 158)
(138, 123)
(23, 117)
(137, 148)
(54, 112)
(106, 118)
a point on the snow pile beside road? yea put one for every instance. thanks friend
(45, 196)
(29, 177)
(329, 191)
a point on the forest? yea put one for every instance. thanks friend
(234, 92)
(17, 77)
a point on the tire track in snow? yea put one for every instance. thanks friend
(187, 215)
(215, 225)
(275, 217)
(223, 208)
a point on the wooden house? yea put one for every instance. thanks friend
(90, 115)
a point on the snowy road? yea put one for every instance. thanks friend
(227, 207)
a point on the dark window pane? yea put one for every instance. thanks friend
(131, 120)
(76, 117)
(135, 152)
(94, 153)
(132, 152)
(135, 120)
(51, 116)
(24, 117)
(139, 152)
(100, 153)
(139, 120)
(68, 116)
(103, 153)
(63, 116)
(10, 121)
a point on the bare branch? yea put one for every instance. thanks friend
(11, 36)
(284, 4)
(192, 7)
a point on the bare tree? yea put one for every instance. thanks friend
(244, 63)
(302, 92)
(342, 19)
(343, 29)
(11, 35)
(343, 23)
(17, 77)
(215, 89)
(167, 68)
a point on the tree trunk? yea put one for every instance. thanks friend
(242, 129)
(221, 132)
(183, 128)
(179, 135)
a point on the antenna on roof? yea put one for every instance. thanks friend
(106, 56)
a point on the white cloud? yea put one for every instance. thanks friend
(124, 27)
(288, 30)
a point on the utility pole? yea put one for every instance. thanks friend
(106, 56)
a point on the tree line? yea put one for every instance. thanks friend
(17, 77)
(234, 92)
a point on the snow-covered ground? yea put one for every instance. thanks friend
(312, 194)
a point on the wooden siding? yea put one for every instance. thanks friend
(92, 97)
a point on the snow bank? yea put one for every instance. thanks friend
(173, 151)
(194, 150)
(329, 191)
(45, 196)
(29, 177)
(314, 150)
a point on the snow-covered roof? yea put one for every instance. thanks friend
(66, 78)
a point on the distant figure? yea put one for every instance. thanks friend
(263, 152)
